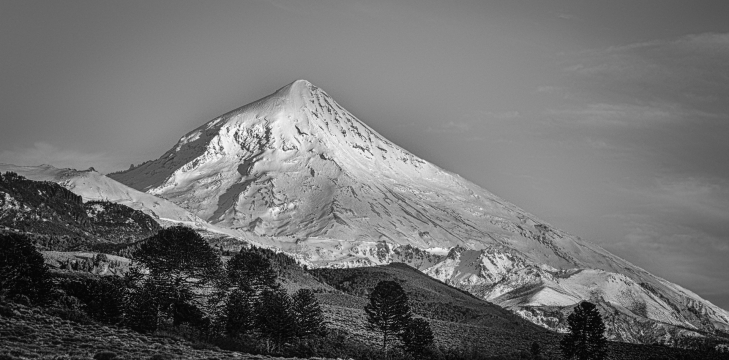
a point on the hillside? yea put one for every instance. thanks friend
(460, 321)
(60, 220)
(297, 172)
(464, 326)
(33, 333)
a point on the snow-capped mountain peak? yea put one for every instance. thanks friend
(308, 177)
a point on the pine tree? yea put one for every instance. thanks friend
(309, 316)
(240, 315)
(181, 255)
(586, 338)
(536, 351)
(275, 317)
(417, 337)
(22, 269)
(251, 274)
(250, 269)
(105, 300)
(183, 267)
(142, 309)
(388, 311)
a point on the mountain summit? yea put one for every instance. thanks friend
(296, 163)
(298, 172)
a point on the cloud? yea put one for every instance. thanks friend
(684, 254)
(43, 153)
(492, 115)
(624, 114)
(565, 16)
(683, 80)
(503, 115)
(651, 120)
(690, 71)
(549, 89)
(703, 197)
(451, 127)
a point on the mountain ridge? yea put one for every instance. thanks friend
(304, 175)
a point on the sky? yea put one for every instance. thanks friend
(608, 119)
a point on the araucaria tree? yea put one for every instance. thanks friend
(182, 267)
(22, 269)
(309, 316)
(250, 274)
(417, 338)
(586, 337)
(388, 311)
(275, 317)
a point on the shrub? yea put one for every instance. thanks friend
(142, 310)
(161, 357)
(105, 355)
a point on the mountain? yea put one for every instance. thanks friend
(460, 321)
(91, 185)
(300, 173)
(62, 221)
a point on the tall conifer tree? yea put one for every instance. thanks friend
(388, 311)
(586, 338)
(275, 317)
(417, 337)
(308, 314)
(182, 267)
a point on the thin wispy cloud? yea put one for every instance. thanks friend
(676, 251)
(703, 197)
(625, 114)
(451, 127)
(43, 153)
(654, 115)
(689, 71)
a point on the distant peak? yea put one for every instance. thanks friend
(301, 82)
(297, 88)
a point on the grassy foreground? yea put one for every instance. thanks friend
(33, 333)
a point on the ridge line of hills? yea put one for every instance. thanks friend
(297, 172)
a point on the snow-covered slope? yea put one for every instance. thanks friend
(308, 177)
(92, 185)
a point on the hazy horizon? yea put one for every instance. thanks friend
(608, 120)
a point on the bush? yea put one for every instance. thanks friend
(103, 299)
(74, 315)
(142, 310)
(161, 357)
(105, 355)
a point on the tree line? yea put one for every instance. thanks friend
(180, 282)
